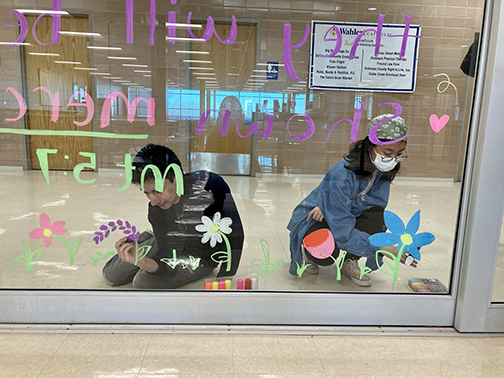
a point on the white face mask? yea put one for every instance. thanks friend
(384, 166)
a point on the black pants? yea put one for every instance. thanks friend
(370, 221)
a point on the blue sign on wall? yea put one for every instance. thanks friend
(272, 71)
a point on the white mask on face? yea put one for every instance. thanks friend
(381, 165)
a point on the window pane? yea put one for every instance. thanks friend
(270, 105)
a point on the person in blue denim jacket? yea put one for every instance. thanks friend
(350, 202)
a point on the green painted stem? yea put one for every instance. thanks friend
(228, 248)
(397, 262)
(68, 247)
(136, 252)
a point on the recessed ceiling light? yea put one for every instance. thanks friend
(275, 64)
(134, 65)
(103, 48)
(142, 71)
(197, 61)
(178, 25)
(185, 39)
(100, 73)
(86, 68)
(66, 62)
(80, 34)
(44, 54)
(16, 44)
(191, 52)
(39, 11)
(122, 57)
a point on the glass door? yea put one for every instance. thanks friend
(355, 116)
(480, 305)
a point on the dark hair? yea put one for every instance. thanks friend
(157, 155)
(359, 161)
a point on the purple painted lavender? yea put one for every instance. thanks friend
(125, 227)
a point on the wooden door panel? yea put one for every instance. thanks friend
(233, 64)
(42, 71)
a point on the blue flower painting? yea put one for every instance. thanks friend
(406, 237)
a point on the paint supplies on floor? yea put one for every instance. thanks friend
(427, 285)
(234, 283)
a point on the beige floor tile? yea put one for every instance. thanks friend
(99, 354)
(372, 376)
(111, 375)
(188, 354)
(201, 375)
(27, 354)
(280, 375)
(342, 355)
(449, 356)
(276, 355)
(492, 348)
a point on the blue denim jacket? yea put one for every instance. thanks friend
(341, 197)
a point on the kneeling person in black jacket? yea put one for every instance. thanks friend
(190, 216)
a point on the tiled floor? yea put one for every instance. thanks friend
(265, 204)
(247, 356)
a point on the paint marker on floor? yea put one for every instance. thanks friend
(255, 283)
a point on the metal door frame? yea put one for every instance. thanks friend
(321, 308)
(474, 310)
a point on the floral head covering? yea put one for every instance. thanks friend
(392, 129)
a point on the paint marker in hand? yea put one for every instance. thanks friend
(409, 260)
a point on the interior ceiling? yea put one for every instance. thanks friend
(224, 67)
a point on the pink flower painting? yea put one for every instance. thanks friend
(47, 229)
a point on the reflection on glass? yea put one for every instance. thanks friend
(227, 100)
(498, 287)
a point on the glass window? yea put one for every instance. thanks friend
(259, 104)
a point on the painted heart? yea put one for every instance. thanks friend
(437, 124)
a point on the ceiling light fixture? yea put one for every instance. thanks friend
(80, 34)
(178, 25)
(185, 39)
(191, 52)
(16, 44)
(122, 57)
(196, 61)
(265, 64)
(44, 54)
(103, 48)
(39, 11)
